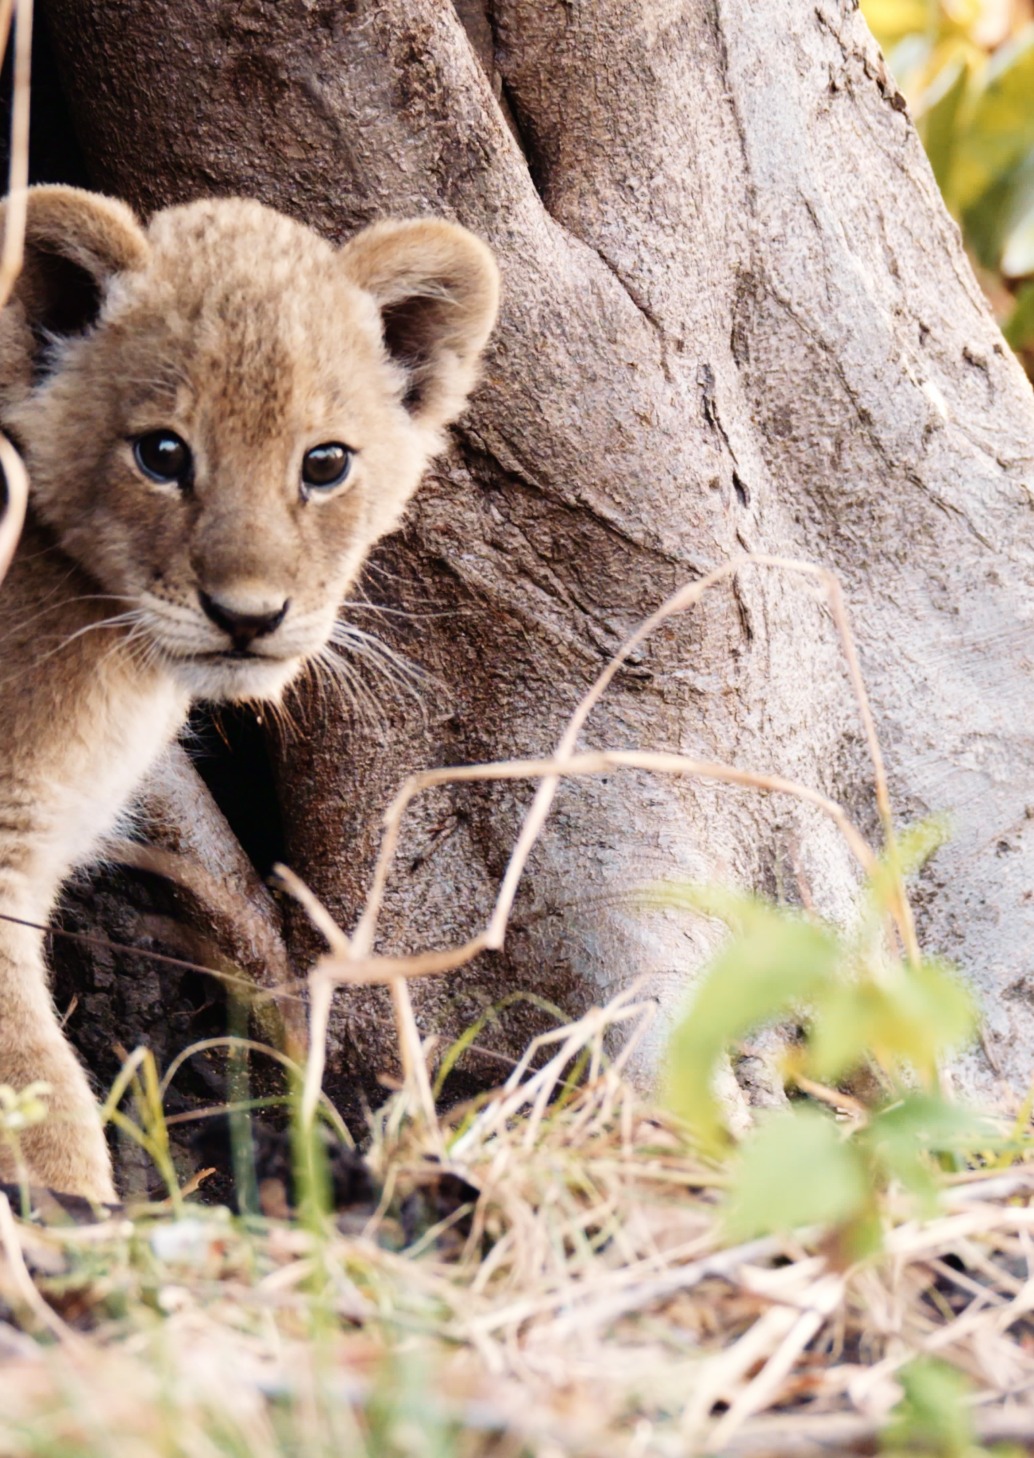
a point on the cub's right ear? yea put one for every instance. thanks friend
(75, 243)
(437, 289)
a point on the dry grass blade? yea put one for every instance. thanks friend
(357, 963)
(353, 960)
(18, 174)
(367, 968)
(16, 481)
(823, 1298)
(16, 484)
(321, 989)
(22, 1282)
(313, 908)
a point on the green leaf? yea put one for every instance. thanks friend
(905, 1016)
(797, 1169)
(775, 961)
(1019, 329)
(917, 843)
(1018, 251)
(913, 847)
(842, 1031)
(933, 1416)
(999, 214)
(904, 1139)
(1000, 127)
(939, 126)
(932, 1014)
(892, 20)
(474, 1030)
(934, 1124)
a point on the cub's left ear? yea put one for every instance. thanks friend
(76, 243)
(437, 287)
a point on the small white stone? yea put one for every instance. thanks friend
(936, 399)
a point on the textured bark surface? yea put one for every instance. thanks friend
(736, 316)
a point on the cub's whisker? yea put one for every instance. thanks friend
(355, 642)
(55, 603)
(336, 676)
(131, 618)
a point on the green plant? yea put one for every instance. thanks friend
(932, 1416)
(20, 1109)
(967, 70)
(871, 1016)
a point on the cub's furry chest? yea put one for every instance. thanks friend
(124, 724)
(84, 709)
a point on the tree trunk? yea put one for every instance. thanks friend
(736, 317)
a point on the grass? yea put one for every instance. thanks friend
(585, 1300)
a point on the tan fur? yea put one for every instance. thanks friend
(254, 340)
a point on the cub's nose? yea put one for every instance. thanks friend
(243, 627)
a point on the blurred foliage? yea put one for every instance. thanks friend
(873, 1020)
(966, 68)
(933, 1415)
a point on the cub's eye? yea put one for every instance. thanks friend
(162, 455)
(325, 467)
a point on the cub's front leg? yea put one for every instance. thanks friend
(67, 1151)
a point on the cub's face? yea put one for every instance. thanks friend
(221, 414)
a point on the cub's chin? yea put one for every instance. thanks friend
(227, 678)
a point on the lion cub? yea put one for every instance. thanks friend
(220, 414)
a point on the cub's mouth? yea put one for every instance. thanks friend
(235, 655)
(229, 675)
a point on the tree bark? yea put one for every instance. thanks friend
(736, 317)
